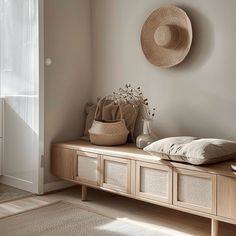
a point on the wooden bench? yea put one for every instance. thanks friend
(208, 191)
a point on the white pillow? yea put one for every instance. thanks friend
(193, 150)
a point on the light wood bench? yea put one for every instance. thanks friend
(208, 191)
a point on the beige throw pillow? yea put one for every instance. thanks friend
(193, 150)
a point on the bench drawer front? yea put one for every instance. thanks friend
(116, 174)
(154, 182)
(195, 190)
(88, 168)
(226, 197)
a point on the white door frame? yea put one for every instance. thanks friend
(37, 184)
(40, 163)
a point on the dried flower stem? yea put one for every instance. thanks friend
(135, 96)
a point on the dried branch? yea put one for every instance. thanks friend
(134, 96)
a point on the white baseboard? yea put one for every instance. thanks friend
(57, 185)
(17, 183)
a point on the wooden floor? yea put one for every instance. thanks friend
(21, 205)
(165, 220)
(168, 221)
(8, 193)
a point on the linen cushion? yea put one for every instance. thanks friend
(193, 150)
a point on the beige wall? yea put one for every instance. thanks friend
(197, 97)
(68, 79)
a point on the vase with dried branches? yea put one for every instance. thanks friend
(136, 96)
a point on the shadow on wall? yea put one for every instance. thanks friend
(203, 41)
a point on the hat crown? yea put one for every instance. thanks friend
(167, 36)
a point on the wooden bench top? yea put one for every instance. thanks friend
(130, 151)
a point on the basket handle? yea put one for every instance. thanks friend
(100, 101)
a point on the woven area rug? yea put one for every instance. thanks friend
(66, 219)
(8, 193)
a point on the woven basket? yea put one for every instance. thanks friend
(108, 133)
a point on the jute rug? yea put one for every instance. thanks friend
(66, 219)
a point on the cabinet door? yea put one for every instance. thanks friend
(63, 162)
(195, 190)
(226, 197)
(154, 182)
(87, 168)
(115, 174)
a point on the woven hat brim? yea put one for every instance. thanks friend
(160, 56)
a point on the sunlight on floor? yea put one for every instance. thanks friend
(133, 227)
(17, 206)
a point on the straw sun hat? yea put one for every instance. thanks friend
(166, 36)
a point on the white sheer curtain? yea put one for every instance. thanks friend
(19, 65)
(19, 57)
(19, 47)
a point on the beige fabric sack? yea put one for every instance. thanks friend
(108, 132)
(108, 110)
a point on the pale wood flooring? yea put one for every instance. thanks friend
(164, 220)
(8, 193)
(117, 207)
(21, 205)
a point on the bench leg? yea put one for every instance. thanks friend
(84, 193)
(214, 227)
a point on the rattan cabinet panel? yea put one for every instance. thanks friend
(116, 174)
(195, 190)
(88, 168)
(154, 182)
